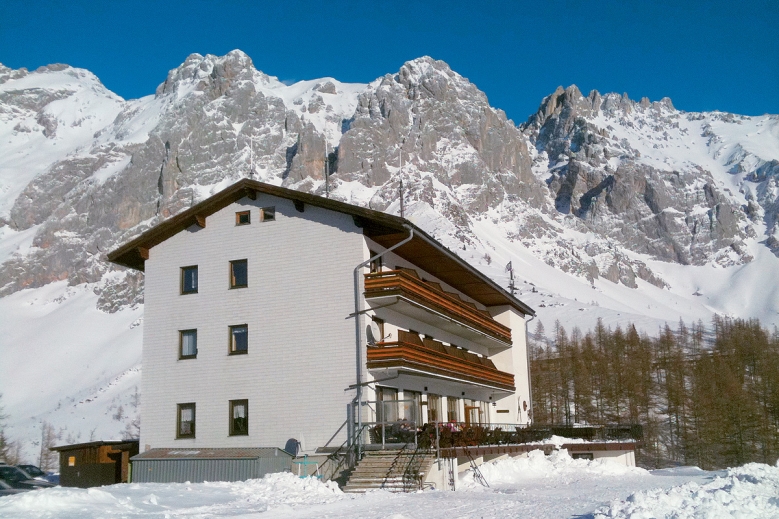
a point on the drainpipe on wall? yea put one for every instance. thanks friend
(358, 332)
(529, 386)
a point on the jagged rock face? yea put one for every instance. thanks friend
(208, 109)
(437, 123)
(580, 163)
(678, 215)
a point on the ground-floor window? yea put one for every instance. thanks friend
(413, 409)
(433, 408)
(185, 421)
(485, 412)
(386, 404)
(452, 409)
(239, 417)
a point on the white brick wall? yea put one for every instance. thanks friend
(301, 346)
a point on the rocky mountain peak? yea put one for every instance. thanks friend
(7, 73)
(212, 74)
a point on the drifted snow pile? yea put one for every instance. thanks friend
(274, 492)
(558, 465)
(747, 492)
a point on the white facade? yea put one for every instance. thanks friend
(300, 352)
(301, 341)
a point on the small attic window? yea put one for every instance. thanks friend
(243, 218)
(267, 214)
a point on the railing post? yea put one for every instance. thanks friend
(349, 425)
(438, 445)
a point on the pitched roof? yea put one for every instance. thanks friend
(127, 444)
(205, 454)
(385, 229)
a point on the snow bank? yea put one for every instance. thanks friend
(751, 491)
(559, 464)
(275, 491)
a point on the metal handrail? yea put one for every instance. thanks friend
(412, 470)
(451, 434)
(348, 451)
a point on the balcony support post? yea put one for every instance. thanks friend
(358, 332)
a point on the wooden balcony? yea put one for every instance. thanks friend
(428, 302)
(438, 360)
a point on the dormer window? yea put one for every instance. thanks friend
(267, 214)
(243, 218)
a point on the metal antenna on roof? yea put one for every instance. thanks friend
(510, 270)
(251, 157)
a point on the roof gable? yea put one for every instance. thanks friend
(384, 229)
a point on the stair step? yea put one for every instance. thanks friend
(387, 470)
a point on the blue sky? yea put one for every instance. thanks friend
(721, 55)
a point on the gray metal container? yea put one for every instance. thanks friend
(198, 465)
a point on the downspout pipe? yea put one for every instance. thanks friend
(358, 330)
(527, 355)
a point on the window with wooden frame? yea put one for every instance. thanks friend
(189, 279)
(433, 408)
(239, 274)
(185, 420)
(376, 264)
(243, 218)
(268, 214)
(187, 344)
(452, 409)
(239, 417)
(239, 339)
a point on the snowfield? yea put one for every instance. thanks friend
(538, 486)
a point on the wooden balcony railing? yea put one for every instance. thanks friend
(438, 359)
(406, 283)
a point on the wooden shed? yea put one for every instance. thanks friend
(97, 463)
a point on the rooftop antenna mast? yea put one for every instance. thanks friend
(251, 157)
(512, 287)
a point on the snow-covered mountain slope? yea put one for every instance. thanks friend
(606, 207)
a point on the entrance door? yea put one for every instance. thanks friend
(472, 413)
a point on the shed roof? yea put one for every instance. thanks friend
(214, 454)
(384, 229)
(126, 444)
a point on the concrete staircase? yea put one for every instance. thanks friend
(394, 470)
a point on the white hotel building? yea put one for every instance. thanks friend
(249, 325)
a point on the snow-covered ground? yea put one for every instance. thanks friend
(538, 486)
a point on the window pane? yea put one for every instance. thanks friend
(239, 342)
(238, 274)
(189, 343)
(189, 280)
(242, 218)
(452, 409)
(239, 417)
(186, 420)
(268, 214)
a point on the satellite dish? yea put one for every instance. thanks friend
(373, 333)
